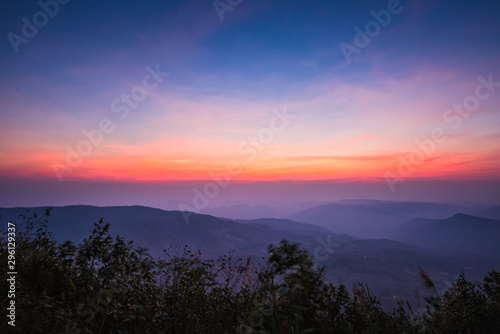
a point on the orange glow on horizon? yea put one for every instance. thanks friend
(146, 168)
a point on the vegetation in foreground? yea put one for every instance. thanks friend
(107, 285)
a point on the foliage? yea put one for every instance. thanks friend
(107, 285)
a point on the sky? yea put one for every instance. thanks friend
(392, 98)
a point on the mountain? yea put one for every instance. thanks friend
(491, 213)
(390, 268)
(410, 227)
(157, 229)
(245, 211)
(368, 218)
(276, 209)
(290, 225)
(458, 235)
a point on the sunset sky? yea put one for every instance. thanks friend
(260, 91)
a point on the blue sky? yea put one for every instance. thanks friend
(354, 120)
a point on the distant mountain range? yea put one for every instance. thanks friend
(245, 211)
(290, 225)
(443, 246)
(370, 218)
(254, 211)
(491, 213)
(157, 229)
